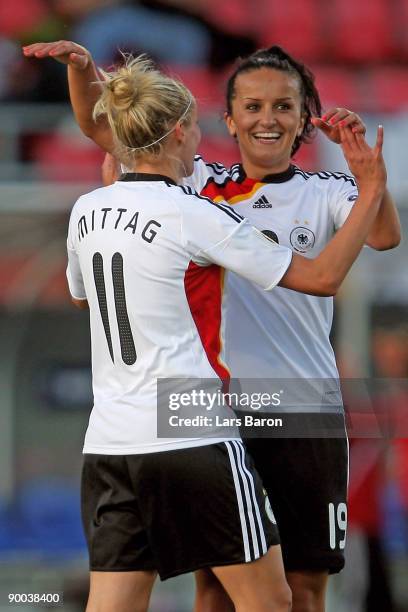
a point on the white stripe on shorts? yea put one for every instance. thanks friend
(255, 503)
(242, 491)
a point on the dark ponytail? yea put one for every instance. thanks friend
(276, 58)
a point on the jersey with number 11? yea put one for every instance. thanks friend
(148, 255)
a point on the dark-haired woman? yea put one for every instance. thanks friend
(272, 108)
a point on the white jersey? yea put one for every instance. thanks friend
(282, 334)
(148, 255)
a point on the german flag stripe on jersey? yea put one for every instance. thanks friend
(204, 291)
(230, 191)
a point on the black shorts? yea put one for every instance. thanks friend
(306, 481)
(175, 511)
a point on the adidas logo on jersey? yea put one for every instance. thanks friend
(262, 203)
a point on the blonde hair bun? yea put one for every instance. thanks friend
(142, 106)
(124, 92)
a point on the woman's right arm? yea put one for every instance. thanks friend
(84, 90)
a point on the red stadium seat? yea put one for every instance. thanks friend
(338, 87)
(204, 85)
(359, 31)
(293, 24)
(388, 89)
(400, 23)
(18, 18)
(64, 158)
(235, 16)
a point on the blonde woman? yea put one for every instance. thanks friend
(148, 256)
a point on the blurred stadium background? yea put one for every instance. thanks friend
(359, 53)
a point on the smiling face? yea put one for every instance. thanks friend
(266, 117)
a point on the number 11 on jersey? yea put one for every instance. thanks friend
(127, 345)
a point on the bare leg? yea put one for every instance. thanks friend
(210, 594)
(308, 590)
(120, 591)
(259, 586)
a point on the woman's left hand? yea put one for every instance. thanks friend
(335, 118)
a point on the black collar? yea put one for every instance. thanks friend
(145, 176)
(278, 177)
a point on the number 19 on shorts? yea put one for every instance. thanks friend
(337, 525)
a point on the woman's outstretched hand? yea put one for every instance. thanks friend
(331, 122)
(63, 51)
